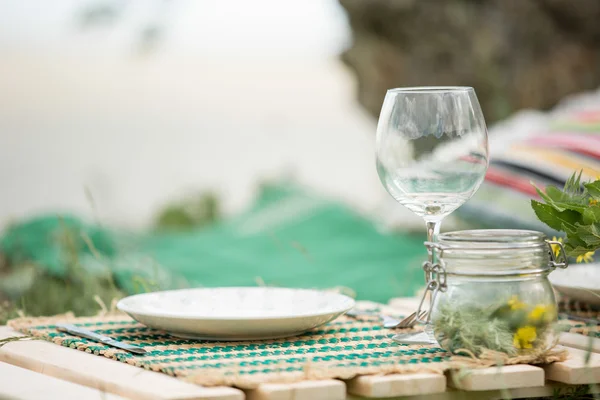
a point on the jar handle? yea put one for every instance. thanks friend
(434, 288)
(560, 261)
(436, 281)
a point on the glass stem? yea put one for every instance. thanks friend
(433, 230)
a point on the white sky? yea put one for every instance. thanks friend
(239, 91)
(306, 28)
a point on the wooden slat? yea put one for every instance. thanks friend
(397, 385)
(307, 390)
(548, 390)
(577, 341)
(582, 367)
(102, 373)
(494, 378)
(23, 384)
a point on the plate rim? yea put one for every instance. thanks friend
(555, 283)
(123, 307)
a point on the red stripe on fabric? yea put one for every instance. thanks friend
(511, 181)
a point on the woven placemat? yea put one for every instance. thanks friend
(579, 309)
(342, 349)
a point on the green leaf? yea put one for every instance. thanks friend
(570, 230)
(593, 189)
(573, 184)
(577, 251)
(574, 241)
(590, 234)
(578, 207)
(573, 210)
(547, 199)
(556, 194)
(570, 206)
(559, 220)
(562, 201)
(591, 215)
(575, 202)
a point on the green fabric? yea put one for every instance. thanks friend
(288, 238)
(51, 241)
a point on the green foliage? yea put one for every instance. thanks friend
(51, 265)
(472, 328)
(54, 242)
(193, 212)
(581, 392)
(574, 210)
(30, 288)
(79, 292)
(508, 327)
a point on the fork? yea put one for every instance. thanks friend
(412, 319)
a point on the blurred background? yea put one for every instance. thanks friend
(204, 134)
(143, 101)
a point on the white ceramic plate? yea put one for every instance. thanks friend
(236, 313)
(579, 282)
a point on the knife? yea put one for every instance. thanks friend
(589, 321)
(87, 334)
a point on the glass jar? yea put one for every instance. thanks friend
(490, 290)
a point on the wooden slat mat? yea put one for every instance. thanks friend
(342, 349)
(518, 381)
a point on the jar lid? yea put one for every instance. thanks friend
(493, 252)
(493, 238)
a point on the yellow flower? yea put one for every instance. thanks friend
(555, 247)
(524, 337)
(593, 202)
(587, 257)
(541, 313)
(515, 304)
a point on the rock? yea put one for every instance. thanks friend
(515, 53)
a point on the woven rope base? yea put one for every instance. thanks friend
(341, 349)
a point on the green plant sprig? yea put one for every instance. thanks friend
(574, 210)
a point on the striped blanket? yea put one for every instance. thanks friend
(539, 148)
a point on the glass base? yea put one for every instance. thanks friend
(415, 338)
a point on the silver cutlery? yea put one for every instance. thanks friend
(414, 338)
(589, 321)
(96, 337)
(412, 319)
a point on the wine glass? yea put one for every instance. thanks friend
(432, 150)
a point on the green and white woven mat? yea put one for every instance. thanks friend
(341, 349)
